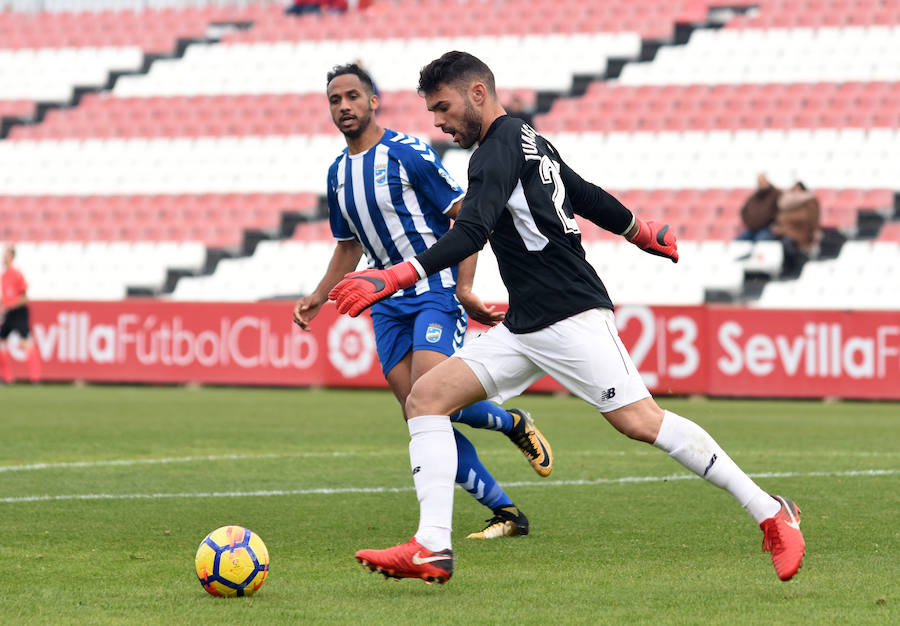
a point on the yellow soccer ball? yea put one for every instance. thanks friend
(232, 561)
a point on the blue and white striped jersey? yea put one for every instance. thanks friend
(393, 198)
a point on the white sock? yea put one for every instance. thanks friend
(432, 456)
(690, 445)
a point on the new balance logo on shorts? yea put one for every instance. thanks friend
(608, 394)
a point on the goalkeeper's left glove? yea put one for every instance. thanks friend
(360, 290)
(655, 240)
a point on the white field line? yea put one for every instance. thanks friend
(337, 454)
(179, 459)
(365, 490)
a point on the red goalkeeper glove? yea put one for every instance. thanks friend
(360, 290)
(655, 240)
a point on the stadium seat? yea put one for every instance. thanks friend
(234, 133)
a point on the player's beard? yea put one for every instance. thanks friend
(364, 122)
(471, 126)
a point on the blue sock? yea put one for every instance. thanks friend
(484, 414)
(474, 477)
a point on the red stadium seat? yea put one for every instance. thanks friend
(877, 199)
(605, 107)
(890, 232)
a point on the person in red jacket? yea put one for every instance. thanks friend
(14, 308)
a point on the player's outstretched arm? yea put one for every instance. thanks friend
(654, 238)
(360, 290)
(344, 259)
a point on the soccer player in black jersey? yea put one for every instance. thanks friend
(523, 198)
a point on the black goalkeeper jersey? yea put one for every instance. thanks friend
(522, 197)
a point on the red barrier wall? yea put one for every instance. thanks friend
(720, 351)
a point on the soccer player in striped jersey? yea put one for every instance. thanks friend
(390, 197)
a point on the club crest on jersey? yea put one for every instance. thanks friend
(433, 333)
(381, 175)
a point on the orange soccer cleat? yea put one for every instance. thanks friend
(531, 442)
(409, 560)
(508, 521)
(782, 537)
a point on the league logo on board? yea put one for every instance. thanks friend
(381, 175)
(351, 345)
(433, 333)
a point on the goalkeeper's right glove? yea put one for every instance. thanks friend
(360, 290)
(655, 240)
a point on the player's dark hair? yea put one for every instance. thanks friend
(352, 68)
(456, 69)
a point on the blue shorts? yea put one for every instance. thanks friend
(434, 322)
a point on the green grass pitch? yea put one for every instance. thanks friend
(106, 492)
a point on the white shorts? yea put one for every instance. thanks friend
(583, 353)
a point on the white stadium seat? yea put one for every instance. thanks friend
(835, 158)
(296, 163)
(275, 268)
(300, 67)
(100, 270)
(867, 273)
(49, 74)
(775, 55)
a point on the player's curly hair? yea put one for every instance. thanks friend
(456, 69)
(356, 70)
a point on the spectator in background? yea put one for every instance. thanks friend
(14, 309)
(516, 108)
(798, 225)
(300, 7)
(797, 218)
(759, 211)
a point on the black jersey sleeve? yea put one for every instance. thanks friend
(493, 175)
(594, 203)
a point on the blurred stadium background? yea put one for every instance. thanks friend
(177, 150)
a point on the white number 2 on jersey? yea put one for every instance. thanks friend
(550, 175)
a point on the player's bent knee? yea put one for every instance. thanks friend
(444, 389)
(414, 408)
(639, 421)
(639, 432)
(425, 400)
(417, 403)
